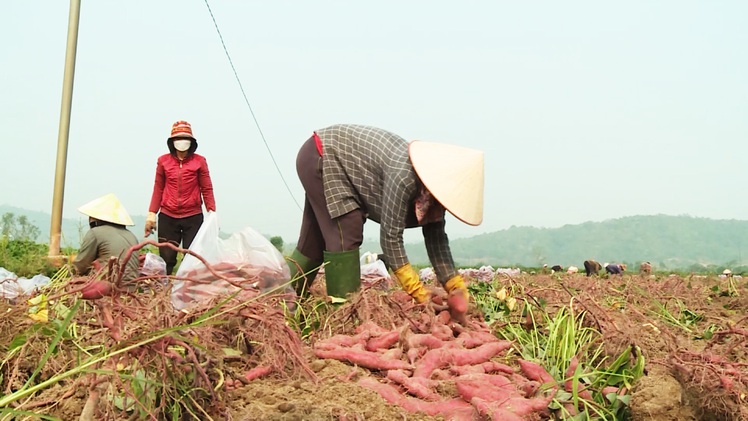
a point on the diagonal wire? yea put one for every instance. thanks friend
(246, 100)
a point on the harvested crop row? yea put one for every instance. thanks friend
(438, 368)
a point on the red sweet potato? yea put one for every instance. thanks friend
(346, 340)
(383, 341)
(485, 386)
(453, 409)
(535, 372)
(497, 367)
(569, 383)
(96, 289)
(416, 386)
(257, 372)
(493, 411)
(363, 358)
(440, 357)
(418, 340)
(442, 332)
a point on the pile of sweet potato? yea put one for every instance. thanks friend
(446, 370)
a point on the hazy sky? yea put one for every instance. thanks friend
(586, 111)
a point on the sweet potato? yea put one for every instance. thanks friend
(96, 289)
(440, 357)
(257, 372)
(383, 341)
(363, 358)
(569, 383)
(453, 409)
(346, 340)
(493, 411)
(496, 367)
(416, 386)
(535, 372)
(418, 340)
(485, 386)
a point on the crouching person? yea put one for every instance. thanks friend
(592, 267)
(107, 237)
(615, 268)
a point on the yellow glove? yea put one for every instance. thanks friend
(458, 297)
(150, 223)
(411, 283)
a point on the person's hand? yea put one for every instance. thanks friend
(150, 223)
(411, 283)
(458, 298)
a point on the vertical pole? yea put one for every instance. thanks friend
(64, 130)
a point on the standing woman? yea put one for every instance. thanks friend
(182, 185)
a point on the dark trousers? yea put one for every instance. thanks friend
(176, 231)
(320, 232)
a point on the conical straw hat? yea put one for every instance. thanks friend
(107, 208)
(453, 175)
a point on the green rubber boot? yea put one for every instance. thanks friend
(303, 272)
(342, 273)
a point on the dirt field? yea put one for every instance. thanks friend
(677, 386)
(691, 330)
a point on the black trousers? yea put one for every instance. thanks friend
(319, 231)
(176, 231)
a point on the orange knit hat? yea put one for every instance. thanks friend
(181, 129)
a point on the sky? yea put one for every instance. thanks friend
(585, 110)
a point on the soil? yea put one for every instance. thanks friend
(627, 312)
(684, 360)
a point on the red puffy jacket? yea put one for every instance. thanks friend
(181, 186)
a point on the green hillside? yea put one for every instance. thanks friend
(669, 242)
(73, 230)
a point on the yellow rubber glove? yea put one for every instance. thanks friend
(150, 223)
(458, 297)
(411, 283)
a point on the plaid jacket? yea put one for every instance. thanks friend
(368, 168)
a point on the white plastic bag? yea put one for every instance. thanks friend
(153, 265)
(247, 258)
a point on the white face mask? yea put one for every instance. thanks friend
(182, 144)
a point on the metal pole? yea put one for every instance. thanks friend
(64, 130)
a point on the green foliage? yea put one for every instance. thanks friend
(18, 227)
(277, 242)
(19, 253)
(555, 341)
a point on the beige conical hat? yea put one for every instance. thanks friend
(453, 175)
(107, 208)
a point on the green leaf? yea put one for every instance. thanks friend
(231, 352)
(17, 342)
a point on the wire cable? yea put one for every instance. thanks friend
(246, 100)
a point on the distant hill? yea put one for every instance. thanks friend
(669, 242)
(73, 230)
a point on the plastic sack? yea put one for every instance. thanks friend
(247, 258)
(153, 265)
(12, 286)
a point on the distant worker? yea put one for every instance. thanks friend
(572, 270)
(614, 268)
(592, 267)
(645, 268)
(353, 172)
(557, 268)
(107, 237)
(182, 185)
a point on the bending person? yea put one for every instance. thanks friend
(351, 173)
